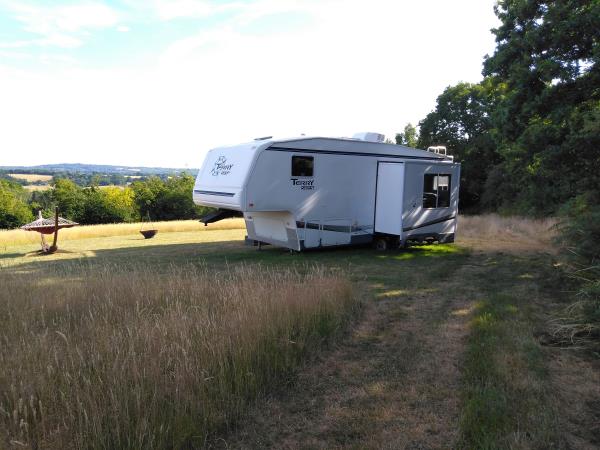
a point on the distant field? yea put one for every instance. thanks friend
(30, 177)
(37, 187)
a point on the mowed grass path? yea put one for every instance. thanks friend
(445, 355)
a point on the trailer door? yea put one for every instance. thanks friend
(388, 198)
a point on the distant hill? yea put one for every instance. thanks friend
(96, 168)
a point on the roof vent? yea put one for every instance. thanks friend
(369, 137)
(264, 138)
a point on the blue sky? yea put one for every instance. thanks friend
(158, 82)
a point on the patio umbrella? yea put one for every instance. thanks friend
(49, 226)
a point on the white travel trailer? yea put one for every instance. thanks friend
(311, 192)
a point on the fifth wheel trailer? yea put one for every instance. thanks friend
(311, 192)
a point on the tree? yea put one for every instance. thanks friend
(69, 198)
(409, 137)
(107, 205)
(166, 200)
(146, 194)
(14, 210)
(42, 201)
(462, 122)
(547, 57)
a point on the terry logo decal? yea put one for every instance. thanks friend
(221, 167)
(305, 185)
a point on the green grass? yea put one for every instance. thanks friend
(506, 397)
(219, 248)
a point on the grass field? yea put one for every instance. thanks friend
(16, 238)
(444, 352)
(37, 187)
(30, 177)
(140, 358)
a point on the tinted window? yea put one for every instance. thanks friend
(302, 166)
(436, 191)
(429, 191)
(443, 186)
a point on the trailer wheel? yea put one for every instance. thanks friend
(381, 244)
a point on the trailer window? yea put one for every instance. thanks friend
(443, 185)
(302, 166)
(436, 191)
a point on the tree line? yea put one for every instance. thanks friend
(154, 198)
(527, 135)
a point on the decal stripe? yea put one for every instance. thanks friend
(432, 222)
(222, 194)
(331, 152)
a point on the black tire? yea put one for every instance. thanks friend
(381, 244)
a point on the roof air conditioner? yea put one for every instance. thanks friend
(369, 137)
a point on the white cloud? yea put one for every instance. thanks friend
(357, 66)
(52, 58)
(171, 9)
(123, 28)
(61, 25)
(14, 44)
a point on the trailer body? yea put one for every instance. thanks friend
(313, 192)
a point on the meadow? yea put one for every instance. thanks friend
(16, 238)
(135, 358)
(194, 340)
(31, 177)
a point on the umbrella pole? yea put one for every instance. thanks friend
(53, 248)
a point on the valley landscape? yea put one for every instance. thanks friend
(315, 224)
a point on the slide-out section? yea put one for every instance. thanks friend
(389, 198)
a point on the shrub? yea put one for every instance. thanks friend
(580, 237)
(166, 200)
(14, 211)
(107, 205)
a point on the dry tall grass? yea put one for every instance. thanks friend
(9, 238)
(523, 231)
(153, 360)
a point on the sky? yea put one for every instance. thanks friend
(160, 82)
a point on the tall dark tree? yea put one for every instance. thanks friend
(548, 120)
